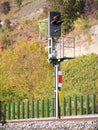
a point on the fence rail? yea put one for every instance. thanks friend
(82, 105)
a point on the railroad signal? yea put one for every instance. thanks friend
(54, 32)
(54, 24)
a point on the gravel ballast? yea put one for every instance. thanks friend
(51, 125)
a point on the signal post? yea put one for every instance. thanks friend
(54, 32)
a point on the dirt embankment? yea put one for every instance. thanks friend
(31, 9)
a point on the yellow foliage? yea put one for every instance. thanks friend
(25, 72)
(81, 25)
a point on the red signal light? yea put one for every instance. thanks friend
(56, 18)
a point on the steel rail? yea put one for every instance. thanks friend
(67, 118)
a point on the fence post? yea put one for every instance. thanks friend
(13, 110)
(48, 114)
(4, 113)
(37, 108)
(1, 113)
(87, 104)
(69, 106)
(42, 108)
(27, 109)
(23, 114)
(81, 105)
(9, 111)
(0, 110)
(32, 108)
(93, 103)
(53, 107)
(18, 110)
(64, 106)
(4, 117)
(75, 103)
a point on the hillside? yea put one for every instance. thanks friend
(26, 10)
(31, 9)
(21, 23)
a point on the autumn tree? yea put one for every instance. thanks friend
(25, 73)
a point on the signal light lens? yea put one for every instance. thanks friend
(56, 18)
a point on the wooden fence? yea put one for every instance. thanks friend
(82, 105)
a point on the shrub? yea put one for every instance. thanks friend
(4, 42)
(90, 7)
(8, 24)
(5, 7)
(18, 2)
(81, 24)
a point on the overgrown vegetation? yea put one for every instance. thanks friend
(5, 7)
(26, 74)
(80, 76)
(19, 3)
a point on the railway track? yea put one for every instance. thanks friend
(89, 122)
(53, 119)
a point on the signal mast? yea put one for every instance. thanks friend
(54, 32)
